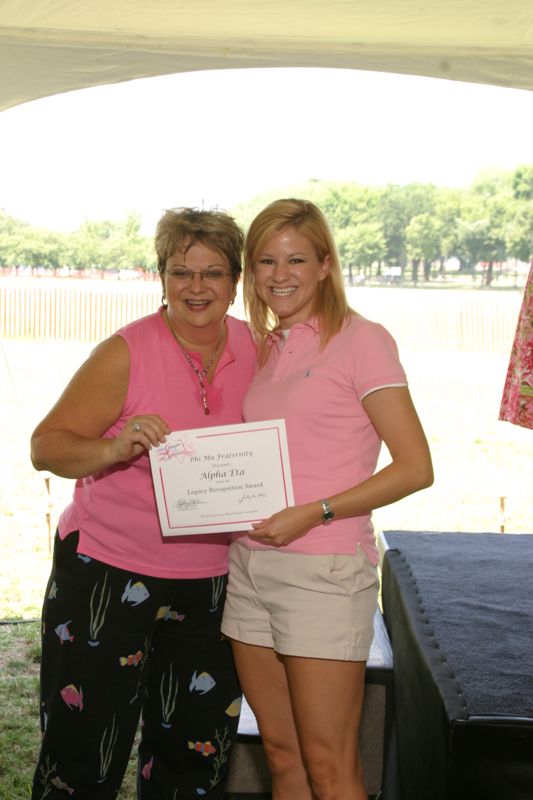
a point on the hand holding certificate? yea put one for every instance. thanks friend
(212, 480)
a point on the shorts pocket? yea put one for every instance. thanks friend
(353, 573)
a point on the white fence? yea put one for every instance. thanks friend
(88, 311)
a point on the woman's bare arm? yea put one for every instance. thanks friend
(68, 441)
(395, 419)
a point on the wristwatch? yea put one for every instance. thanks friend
(327, 512)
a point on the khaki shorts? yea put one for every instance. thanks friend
(302, 605)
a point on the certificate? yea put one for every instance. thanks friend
(215, 480)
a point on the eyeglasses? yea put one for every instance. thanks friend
(207, 276)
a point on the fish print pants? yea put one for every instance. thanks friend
(116, 644)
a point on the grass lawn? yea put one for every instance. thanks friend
(19, 673)
(19, 701)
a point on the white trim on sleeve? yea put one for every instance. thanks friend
(385, 386)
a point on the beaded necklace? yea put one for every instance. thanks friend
(203, 374)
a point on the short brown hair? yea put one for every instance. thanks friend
(180, 228)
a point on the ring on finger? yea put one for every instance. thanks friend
(137, 427)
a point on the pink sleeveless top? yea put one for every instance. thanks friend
(115, 511)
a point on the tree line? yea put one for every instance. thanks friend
(96, 245)
(412, 231)
(409, 232)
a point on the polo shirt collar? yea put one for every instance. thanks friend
(311, 323)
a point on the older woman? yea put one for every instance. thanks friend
(131, 621)
(303, 585)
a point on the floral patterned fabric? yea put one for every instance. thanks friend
(517, 400)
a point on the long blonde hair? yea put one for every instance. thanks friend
(331, 305)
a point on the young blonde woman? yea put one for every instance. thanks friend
(303, 587)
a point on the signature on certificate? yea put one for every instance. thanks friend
(188, 503)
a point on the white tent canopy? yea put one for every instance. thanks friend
(52, 46)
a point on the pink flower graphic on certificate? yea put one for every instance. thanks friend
(179, 449)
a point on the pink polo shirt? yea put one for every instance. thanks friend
(332, 442)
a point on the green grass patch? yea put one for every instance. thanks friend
(19, 700)
(20, 653)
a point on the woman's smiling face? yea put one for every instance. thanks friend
(202, 298)
(287, 272)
